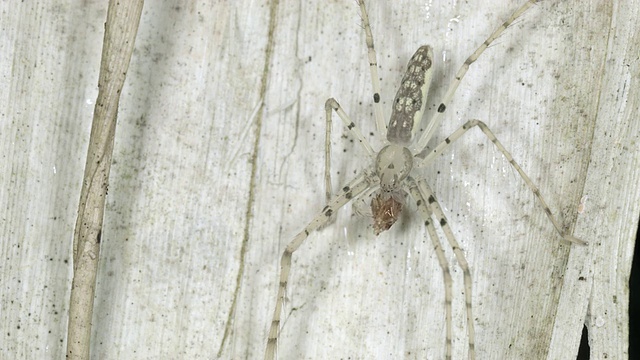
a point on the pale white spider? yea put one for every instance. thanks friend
(391, 177)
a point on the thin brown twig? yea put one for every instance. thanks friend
(121, 28)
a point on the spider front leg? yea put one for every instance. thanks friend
(428, 205)
(329, 106)
(432, 124)
(373, 69)
(485, 130)
(356, 187)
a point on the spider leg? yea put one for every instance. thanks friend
(329, 106)
(434, 122)
(426, 213)
(332, 104)
(422, 189)
(373, 68)
(359, 185)
(466, 127)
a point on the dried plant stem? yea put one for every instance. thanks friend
(121, 28)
